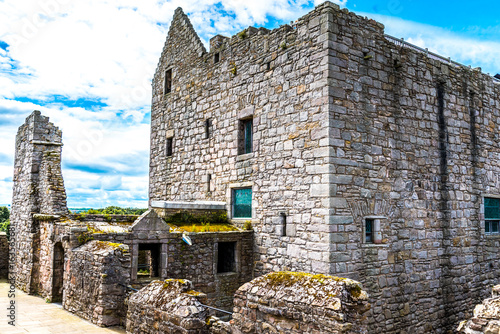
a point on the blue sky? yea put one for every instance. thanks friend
(88, 66)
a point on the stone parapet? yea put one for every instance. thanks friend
(293, 302)
(169, 306)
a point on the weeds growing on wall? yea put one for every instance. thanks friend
(210, 222)
(5, 221)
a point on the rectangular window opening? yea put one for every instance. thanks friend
(148, 262)
(168, 81)
(170, 145)
(226, 259)
(283, 221)
(209, 183)
(208, 128)
(216, 57)
(242, 203)
(491, 215)
(369, 230)
(268, 66)
(245, 144)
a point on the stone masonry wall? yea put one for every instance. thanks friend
(92, 289)
(282, 302)
(38, 188)
(291, 302)
(277, 77)
(347, 125)
(169, 306)
(414, 142)
(486, 318)
(198, 263)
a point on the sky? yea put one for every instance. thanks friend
(88, 65)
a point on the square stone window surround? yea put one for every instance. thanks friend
(482, 218)
(229, 200)
(383, 220)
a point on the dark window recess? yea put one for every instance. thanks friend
(268, 66)
(368, 230)
(491, 215)
(226, 260)
(209, 182)
(245, 144)
(242, 203)
(168, 81)
(216, 57)
(148, 262)
(283, 221)
(208, 128)
(170, 145)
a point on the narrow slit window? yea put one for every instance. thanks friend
(226, 259)
(245, 144)
(369, 231)
(268, 66)
(170, 145)
(283, 222)
(216, 57)
(209, 182)
(168, 81)
(208, 128)
(491, 215)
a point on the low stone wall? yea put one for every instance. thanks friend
(486, 317)
(103, 218)
(280, 302)
(92, 289)
(4, 255)
(290, 302)
(169, 306)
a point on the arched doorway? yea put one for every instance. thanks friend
(58, 273)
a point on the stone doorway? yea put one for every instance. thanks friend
(58, 273)
(148, 264)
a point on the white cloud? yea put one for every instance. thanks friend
(463, 49)
(107, 51)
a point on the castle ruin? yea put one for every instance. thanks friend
(348, 152)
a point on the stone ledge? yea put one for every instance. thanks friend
(39, 142)
(200, 205)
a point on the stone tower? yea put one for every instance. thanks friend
(38, 189)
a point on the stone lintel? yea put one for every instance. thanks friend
(200, 205)
(40, 142)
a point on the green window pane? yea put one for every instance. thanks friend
(248, 135)
(242, 203)
(368, 230)
(491, 208)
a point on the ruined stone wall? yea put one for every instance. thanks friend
(486, 318)
(198, 263)
(283, 302)
(92, 287)
(38, 188)
(169, 306)
(291, 302)
(4, 255)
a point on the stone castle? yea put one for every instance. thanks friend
(346, 151)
